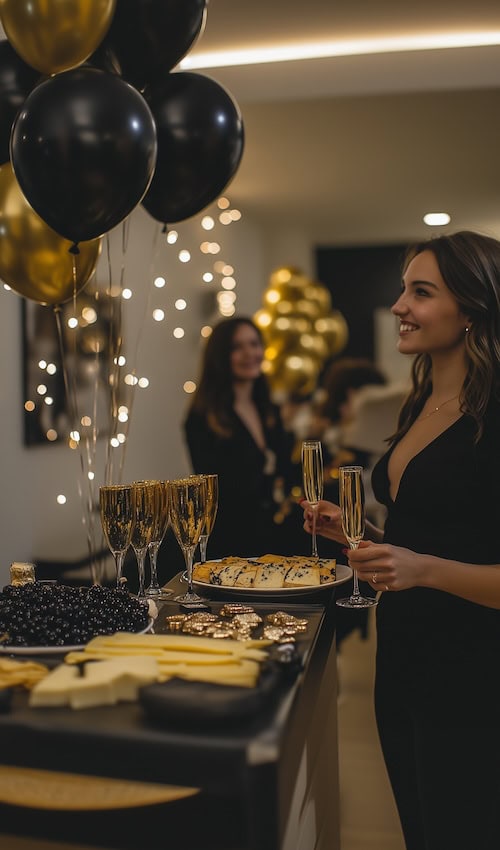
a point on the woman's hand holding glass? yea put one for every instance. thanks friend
(312, 478)
(352, 509)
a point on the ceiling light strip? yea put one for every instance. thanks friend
(331, 49)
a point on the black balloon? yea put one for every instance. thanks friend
(16, 81)
(105, 60)
(200, 144)
(83, 149)
(149, 37)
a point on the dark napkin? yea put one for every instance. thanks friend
(204, 703)
(5, 699)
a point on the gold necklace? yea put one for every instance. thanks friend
(435, 409)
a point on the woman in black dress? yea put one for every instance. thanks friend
(234, 430)
(437, 562)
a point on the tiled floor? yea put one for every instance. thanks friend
(368, 816)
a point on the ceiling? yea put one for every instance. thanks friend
(358, 148)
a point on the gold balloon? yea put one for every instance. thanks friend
(295, 373)
(34, 260)
(283, 292)
(288, 276)
(320, 295)
(55, 35)
(303, 307)
(334, 330)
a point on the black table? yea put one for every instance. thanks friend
(277, 771)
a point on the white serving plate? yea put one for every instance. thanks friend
(55, 650)
(344, 573)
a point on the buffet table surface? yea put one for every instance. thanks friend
(277, 765)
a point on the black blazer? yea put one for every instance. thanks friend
(244, 524)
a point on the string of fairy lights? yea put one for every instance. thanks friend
(218, 275)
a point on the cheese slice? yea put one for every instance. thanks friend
(102, 683)
(328, 572)
(268, 577)
(227, 575)
(246, 576)
(54, 689)
(302, 577)
(187, 643)
(201, 572)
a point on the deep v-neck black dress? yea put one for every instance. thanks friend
(437, 692)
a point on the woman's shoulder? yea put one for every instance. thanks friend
(193, 419)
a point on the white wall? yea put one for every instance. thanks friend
(32, 524)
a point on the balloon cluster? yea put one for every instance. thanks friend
(94, 123)
(300, 331)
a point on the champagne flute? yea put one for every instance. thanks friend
(212, 482)
(117, 507)
(145, 498)
(160, 525)
(352, 506)
(312, 478)
(187, 515)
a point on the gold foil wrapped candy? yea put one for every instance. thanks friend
(21, 573)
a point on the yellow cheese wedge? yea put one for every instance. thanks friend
(186, 643)
(103, 683)
(54, 689)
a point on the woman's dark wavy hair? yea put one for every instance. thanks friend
(214, 397)
(470, 266)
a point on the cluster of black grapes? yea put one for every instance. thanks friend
(39, 614)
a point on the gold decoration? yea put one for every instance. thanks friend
(52, 36)
(334, 330)
(34, 259)
(300, 331)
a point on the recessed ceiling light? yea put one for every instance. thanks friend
(436, 219)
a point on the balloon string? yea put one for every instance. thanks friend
(154, 253)
(70, 390)
(89, 443)
(115, 341)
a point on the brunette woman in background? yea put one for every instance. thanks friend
(233, 429)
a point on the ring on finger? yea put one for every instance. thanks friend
(374, 578)
(387, 587)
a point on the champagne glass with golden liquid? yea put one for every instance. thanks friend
(312, 479)
(160, 525)
(117, 509)
(187, 515)
(212, 482)
(145, 500)
(352, 507)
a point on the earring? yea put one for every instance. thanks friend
(466, 330)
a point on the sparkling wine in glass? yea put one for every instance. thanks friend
(160, 525)
(352, 507)
(312, 478)
(212, 482)
(187, 514)
(117, 508)
(145, 499)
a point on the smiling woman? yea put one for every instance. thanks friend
(232, 429)
(437, 560)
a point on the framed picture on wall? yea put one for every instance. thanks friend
(67, 368)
